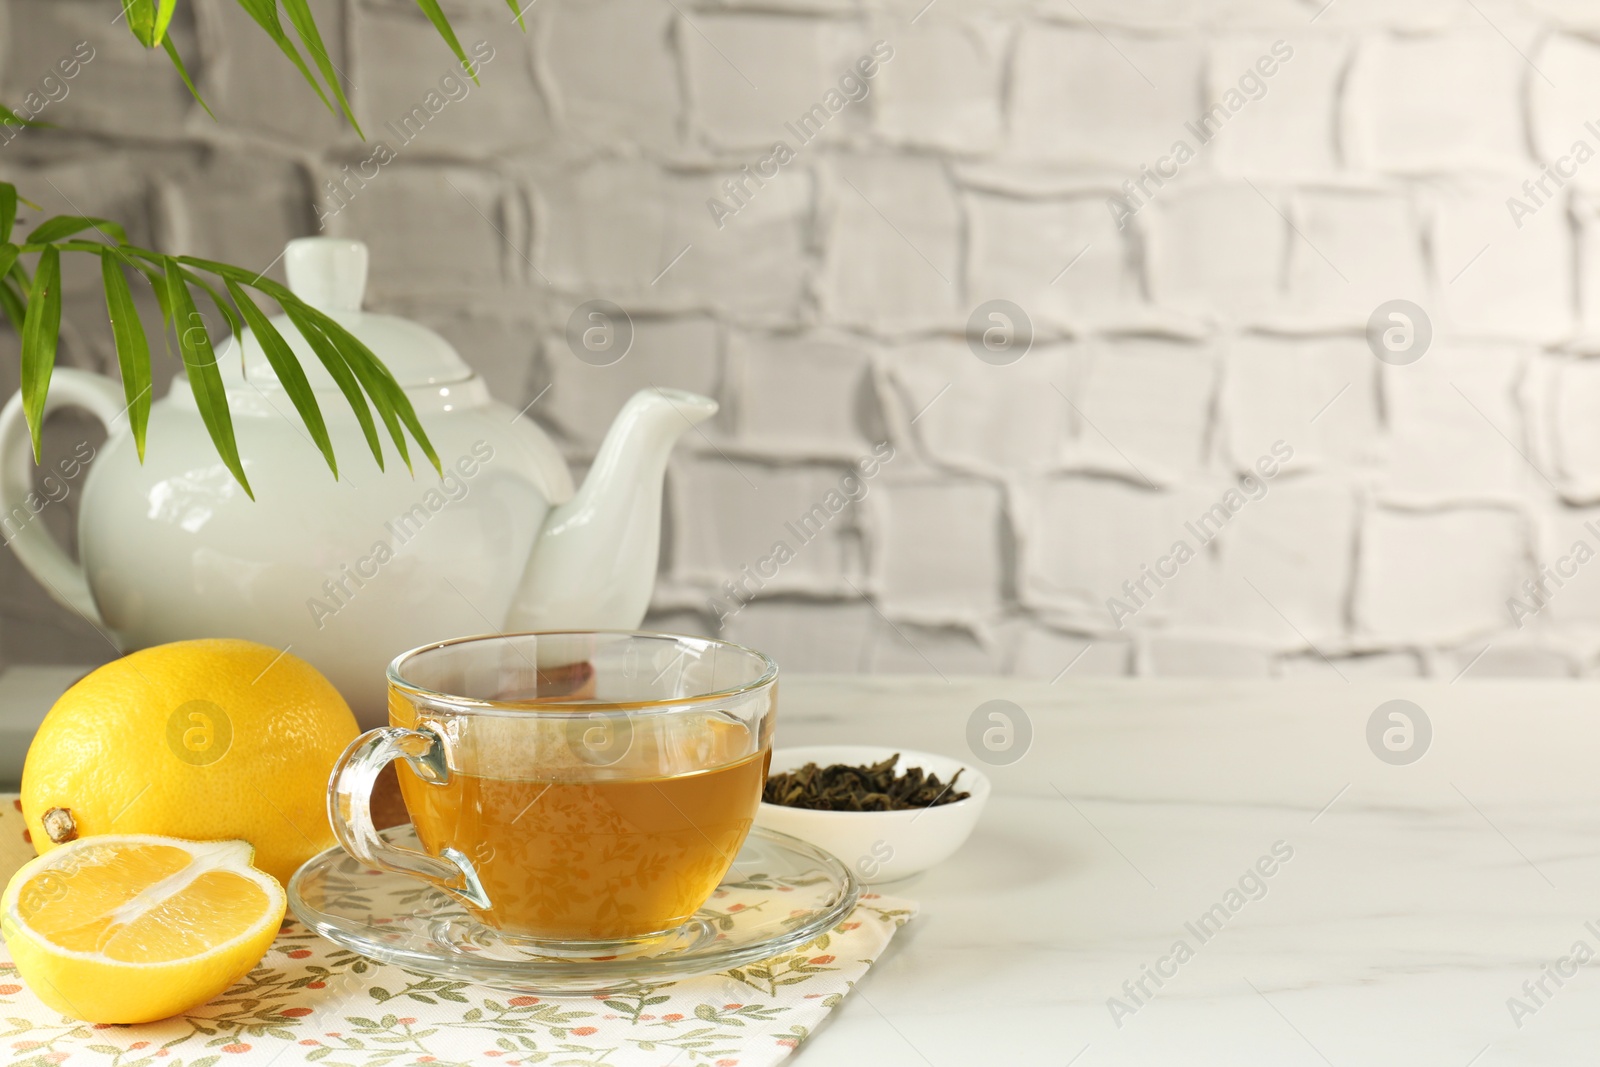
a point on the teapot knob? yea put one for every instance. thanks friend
(329, 273)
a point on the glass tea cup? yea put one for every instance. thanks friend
(581, 792)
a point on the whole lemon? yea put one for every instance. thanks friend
(207, 740)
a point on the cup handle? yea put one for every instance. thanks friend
(350, 809)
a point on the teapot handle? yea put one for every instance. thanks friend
(44, 557)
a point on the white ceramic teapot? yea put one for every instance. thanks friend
(349, 573)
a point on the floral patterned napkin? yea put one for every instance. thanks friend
(311, 1001)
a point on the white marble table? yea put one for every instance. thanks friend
(1418, 900)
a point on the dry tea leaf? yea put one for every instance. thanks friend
(876, 788)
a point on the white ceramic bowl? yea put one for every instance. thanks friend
(881, 846)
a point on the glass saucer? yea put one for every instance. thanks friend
(781, 893)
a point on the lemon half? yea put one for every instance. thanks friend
(133, 928)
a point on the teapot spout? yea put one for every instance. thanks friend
(593, 566)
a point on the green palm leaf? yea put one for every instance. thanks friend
(32, 303)
(352, 351)
(299, 12)
(12, 304)
(316, 328)
(334, 361)
(11, 118)
(151, 19)
(11, 290)
(287, 368)
(148, 20)
(224, 308)
(141, 16)
(63, 226)
(380, 384)
(41, 330)
(265, 14)
(183, 72)
(164, 12)
(133, 349)
(343, 359)
(8, 213)
(205, 381)
(436, 16)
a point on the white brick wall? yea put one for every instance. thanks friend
(611, 72)
(1066, 79)
(827, 313)
(1436, 103)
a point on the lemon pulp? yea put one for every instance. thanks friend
(131, 928)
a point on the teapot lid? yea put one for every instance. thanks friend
(330, 274)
